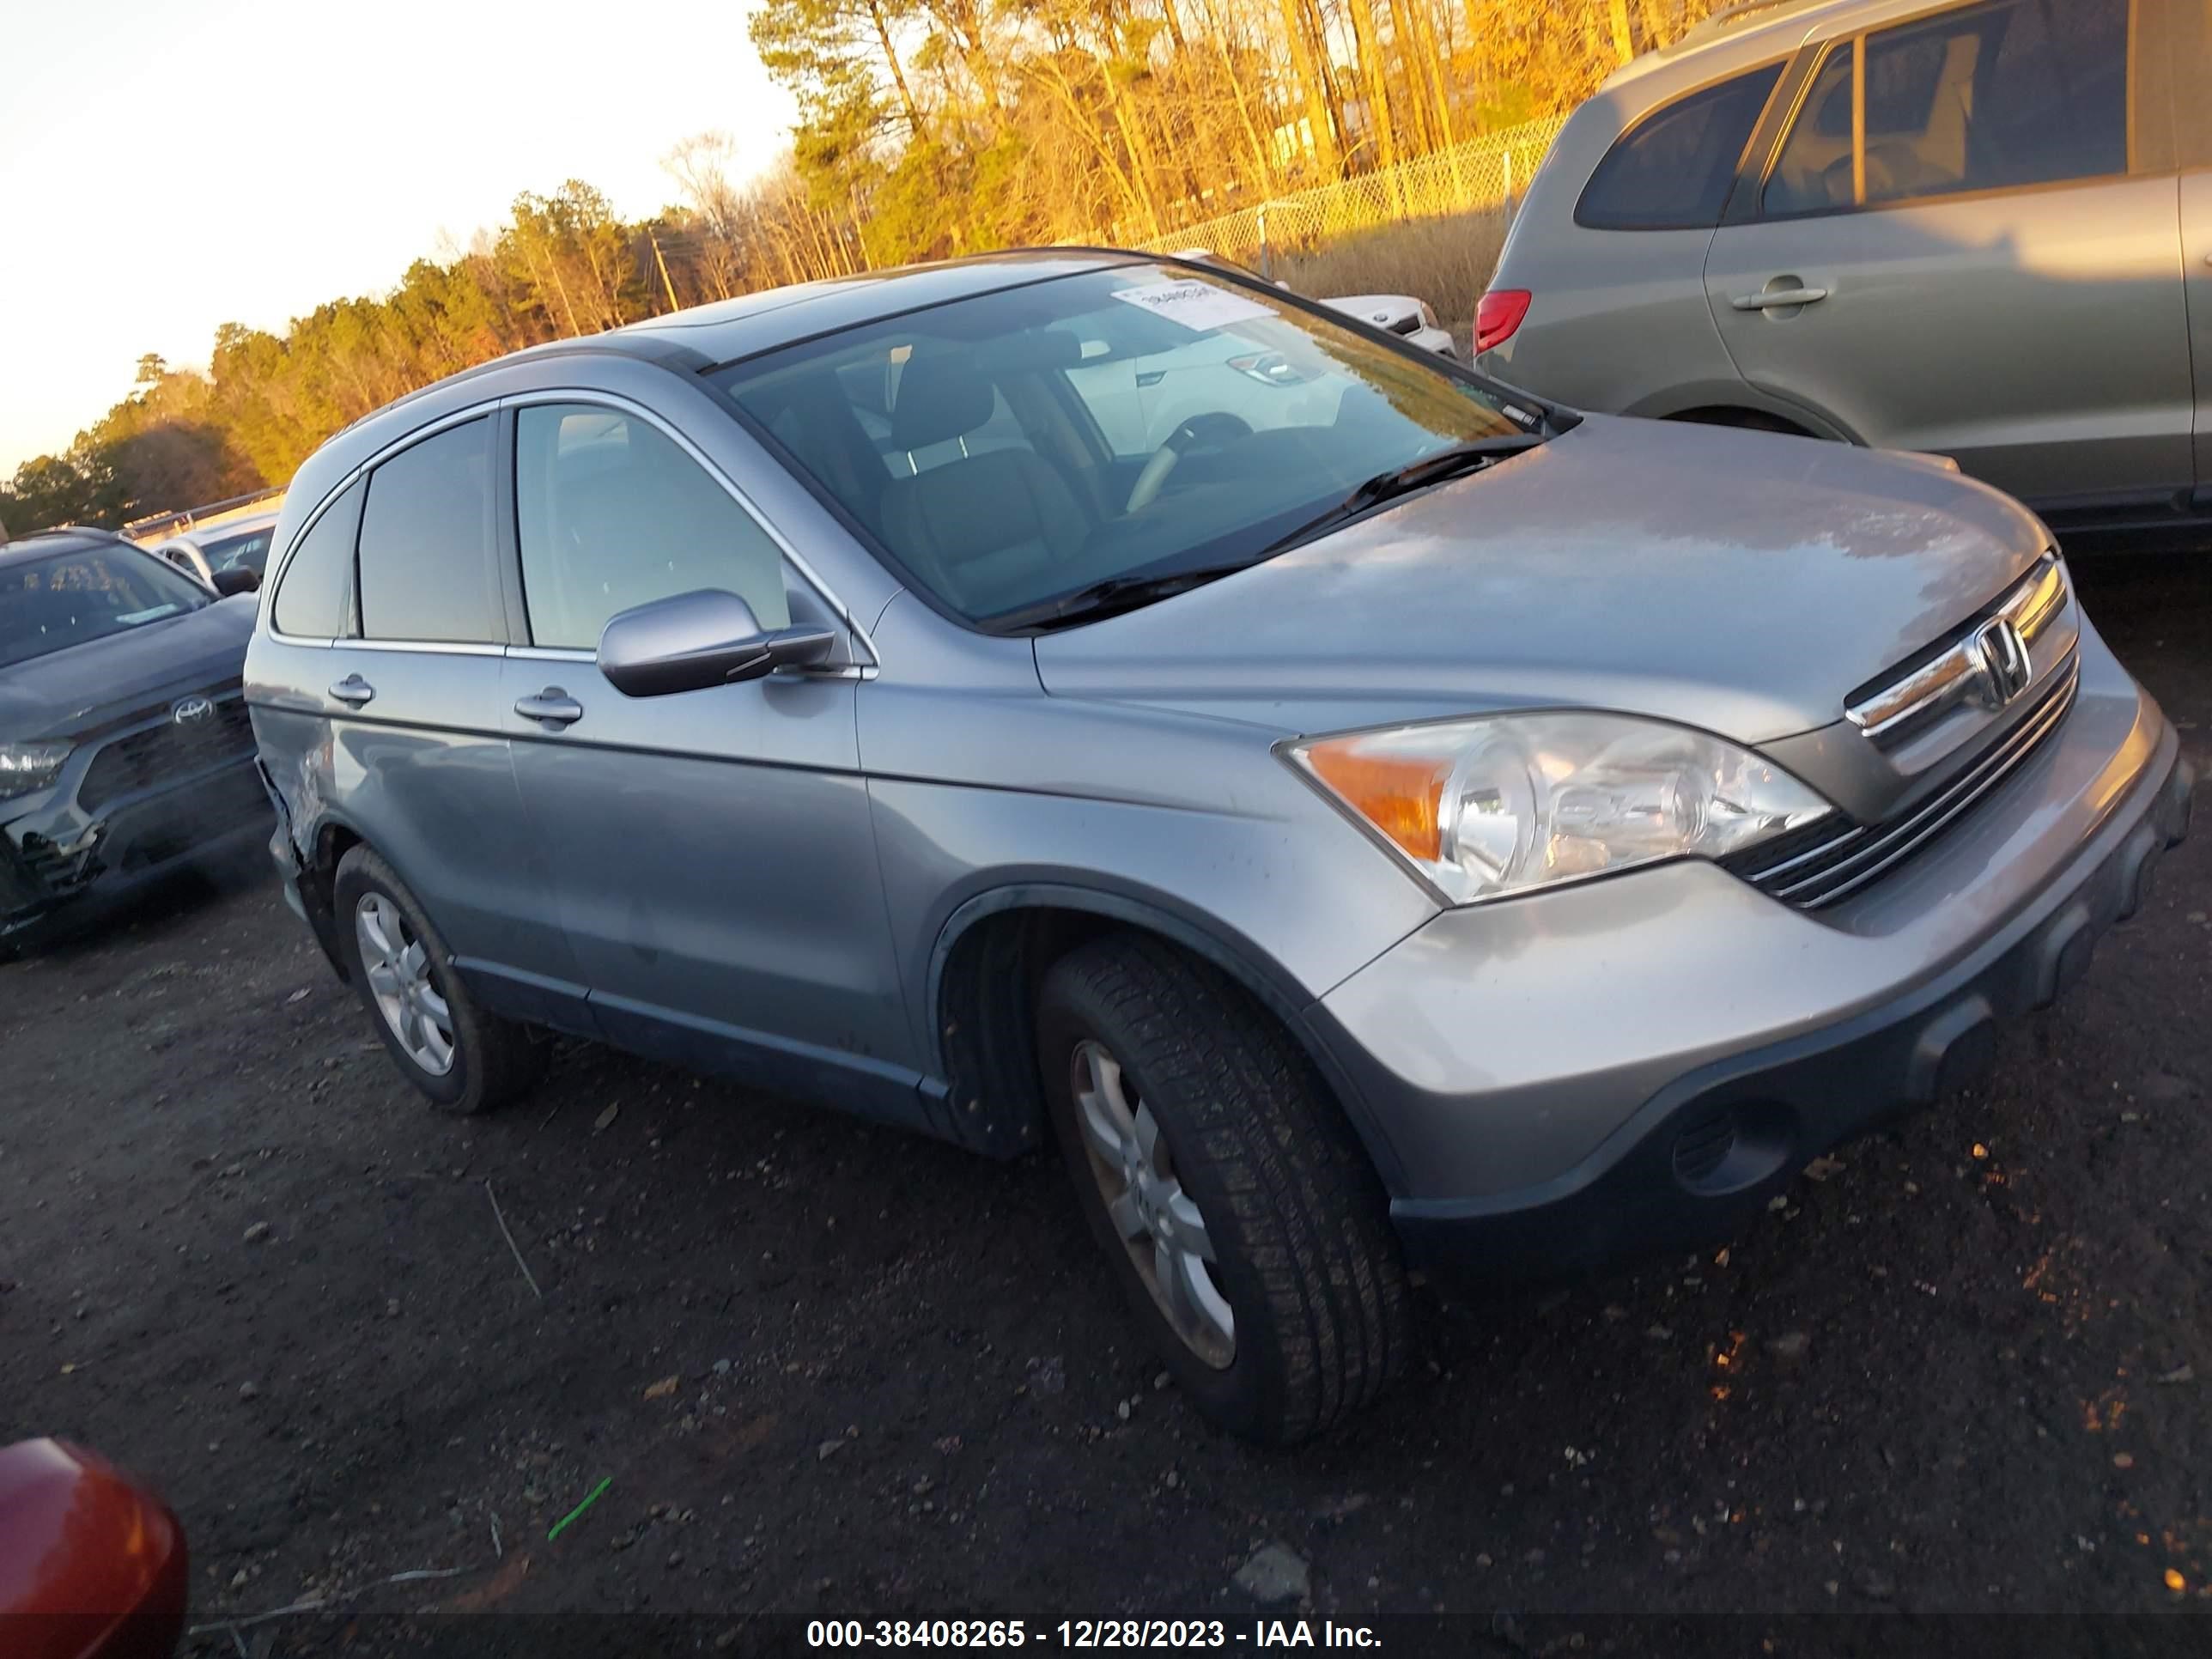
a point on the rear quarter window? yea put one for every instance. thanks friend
(1673, 169)
(315, 600)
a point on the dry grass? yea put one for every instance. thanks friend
(1446, 261)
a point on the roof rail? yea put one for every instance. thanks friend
(1740, 12)
(185, 517)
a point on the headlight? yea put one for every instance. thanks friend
(1487, 807)
(25, 767)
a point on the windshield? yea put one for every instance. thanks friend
(49, 604)
(1025, 445)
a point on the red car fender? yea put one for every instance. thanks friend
(91, 1565)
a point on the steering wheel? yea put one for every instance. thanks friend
(1217, 428)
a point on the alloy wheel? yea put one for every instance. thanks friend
(1158, 1221)
(400, 980)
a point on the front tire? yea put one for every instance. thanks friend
(1236, 1206)
(463, 1059)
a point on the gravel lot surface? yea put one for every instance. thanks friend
(827, 1369)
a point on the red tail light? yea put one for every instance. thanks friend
(1497, 314)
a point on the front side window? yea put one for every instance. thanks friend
(611, 514)
(72, 599)
(1025, 445)
(426, 542)
(315, 597)
(1674, 170)
(1998, 96)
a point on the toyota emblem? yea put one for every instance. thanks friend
(191, 711)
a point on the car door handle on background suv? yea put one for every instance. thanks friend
(552, 708)
(1775, 299)
(353, 691)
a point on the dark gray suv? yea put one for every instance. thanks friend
(1388, 820)
(125, 749)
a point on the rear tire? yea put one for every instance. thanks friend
(423, 1011)
(1247, 1158)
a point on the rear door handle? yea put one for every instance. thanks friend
(552, 708)
(1775, 299)
(353, 691)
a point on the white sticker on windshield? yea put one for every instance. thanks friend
(1194, 304)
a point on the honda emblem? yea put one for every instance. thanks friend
(2000, 654)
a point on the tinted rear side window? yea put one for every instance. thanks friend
(1673, 170)
(316, 599)
(426, 542)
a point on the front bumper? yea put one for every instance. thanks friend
(1564, 1083)
(59, 855)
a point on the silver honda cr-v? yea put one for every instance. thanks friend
(1978, 227)
(1390, 822)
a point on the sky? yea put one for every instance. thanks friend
(167, 165)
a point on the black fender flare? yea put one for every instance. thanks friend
(1231, 953)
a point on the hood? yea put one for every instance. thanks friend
(1742, 582)
(86, 686)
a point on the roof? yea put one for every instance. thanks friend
(702, 337)
(1749, 32)
(730, 329)
(706, 335)
(62, 538)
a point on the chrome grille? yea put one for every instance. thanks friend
(1829, 861)
(161, 753)
(1988, 662)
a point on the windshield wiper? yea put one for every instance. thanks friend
(1433, 468)
(1119, 593)
(1116, 593)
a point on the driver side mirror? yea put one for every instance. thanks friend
(706, 637)
(238, 578)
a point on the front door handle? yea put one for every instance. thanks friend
(353, 691)
(552, 708)
(1775, 299)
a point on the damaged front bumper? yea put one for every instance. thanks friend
(55, 854)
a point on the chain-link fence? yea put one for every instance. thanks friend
(1489, 172)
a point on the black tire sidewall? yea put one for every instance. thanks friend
(360, 873)
(1240, 1396)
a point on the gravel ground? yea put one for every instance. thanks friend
(828, 1369)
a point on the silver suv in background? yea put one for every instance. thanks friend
(1981, 230)
(1430, 827)
(235, 544)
